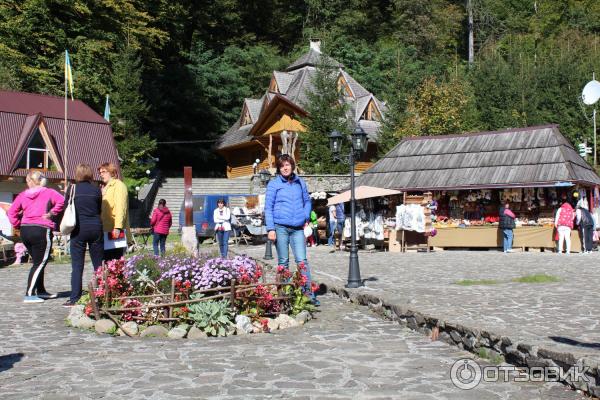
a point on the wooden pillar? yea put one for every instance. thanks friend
(270, 151)
(188, 203)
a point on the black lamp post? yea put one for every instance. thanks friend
(265, 177)
(358, 145)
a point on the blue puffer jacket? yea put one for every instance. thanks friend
(287, 202)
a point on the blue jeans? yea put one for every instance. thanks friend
(287, 237)
(223, 239)
(330, 241)
(159, 238)
(508, 239)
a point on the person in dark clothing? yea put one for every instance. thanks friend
(585, 221)
(507, 224)
(88, 229)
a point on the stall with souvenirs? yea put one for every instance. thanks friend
(470, 218)
(465, 179)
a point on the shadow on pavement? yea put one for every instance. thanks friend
(9, 360)
(573, 342)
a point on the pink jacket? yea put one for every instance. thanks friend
(161, 220)
(30, 206)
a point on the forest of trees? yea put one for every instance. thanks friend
(178, 70)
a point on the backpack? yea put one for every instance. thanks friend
(586, 218)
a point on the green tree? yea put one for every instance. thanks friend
(439, 109)
(128, 111)
(326, 112)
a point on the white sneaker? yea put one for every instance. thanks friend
(32, 299)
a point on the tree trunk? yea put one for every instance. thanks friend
(470, 29)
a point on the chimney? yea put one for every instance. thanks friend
(315, 44)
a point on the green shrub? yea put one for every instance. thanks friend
(212, 317)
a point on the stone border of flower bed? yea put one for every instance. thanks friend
(477, 340)
(243, 326)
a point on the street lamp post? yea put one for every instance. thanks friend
(265, 177)
(358, 144)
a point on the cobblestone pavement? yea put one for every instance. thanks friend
(346, 352)
(563, 316)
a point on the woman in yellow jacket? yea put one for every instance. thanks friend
(115, 205)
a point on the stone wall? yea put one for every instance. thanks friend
(315, 183)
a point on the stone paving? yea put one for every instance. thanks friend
(345, 353)
(562, 316)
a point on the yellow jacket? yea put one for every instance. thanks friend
(115, 205)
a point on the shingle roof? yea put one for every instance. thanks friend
(254, 106)
(294, 85)
(533, 156)
(356, 87)
(301, 86)
(90, 138)
(235, 135)
(312, 59)
(283, 80)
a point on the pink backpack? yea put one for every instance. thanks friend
(566, 216)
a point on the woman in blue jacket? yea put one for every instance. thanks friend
(287, 212)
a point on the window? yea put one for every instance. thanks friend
(198, 203)
(246, 120)
(37, 155)
(343, 87)
(371, 113)
(273, 86)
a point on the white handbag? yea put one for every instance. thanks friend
(308, 231)
(69, 219)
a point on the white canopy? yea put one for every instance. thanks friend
(361, 192)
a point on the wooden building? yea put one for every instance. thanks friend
(538, 156)
(269, 126)
(32, 136)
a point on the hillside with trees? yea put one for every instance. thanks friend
(177, 71)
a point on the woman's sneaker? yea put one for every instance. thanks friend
(69, 304)
(46, 295)
(32, 299)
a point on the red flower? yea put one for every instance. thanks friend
(265, 325)
(314, 287)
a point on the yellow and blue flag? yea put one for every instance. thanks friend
(68, 73)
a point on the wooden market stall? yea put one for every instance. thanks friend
(470, 175)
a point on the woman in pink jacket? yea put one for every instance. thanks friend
(33, 211)
(161, 222)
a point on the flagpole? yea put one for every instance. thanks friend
(65, 138)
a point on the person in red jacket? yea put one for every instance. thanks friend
(34, 211)
(161, 222)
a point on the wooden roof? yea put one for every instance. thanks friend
(533, 156)
(294, 85)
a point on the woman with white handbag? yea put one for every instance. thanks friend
(82, 221)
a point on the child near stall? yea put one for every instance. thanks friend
(313, 239)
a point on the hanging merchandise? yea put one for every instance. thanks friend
(410, 217)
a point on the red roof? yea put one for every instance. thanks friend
(49, 106)
(90, 137)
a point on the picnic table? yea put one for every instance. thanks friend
(142, 234)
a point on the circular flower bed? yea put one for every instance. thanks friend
(180, 296)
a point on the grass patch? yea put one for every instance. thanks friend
(536, 278)
(492, 357)
(174, 238)
(470, 282)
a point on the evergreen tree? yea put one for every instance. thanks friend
(128, 111)
(326, 112)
